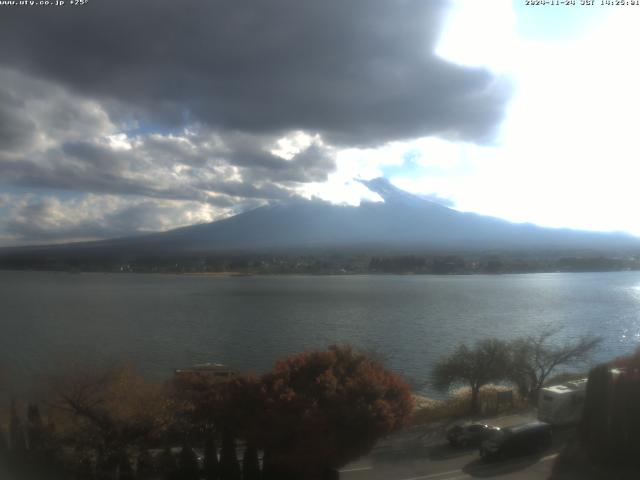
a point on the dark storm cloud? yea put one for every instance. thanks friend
(359, 72)
(147, 170)
(51, 137)
(310, 165)
(154, 114)
(33, 112)
(68, 176)
(16, 129)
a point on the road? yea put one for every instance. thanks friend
(416, 456)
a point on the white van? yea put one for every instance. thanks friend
(562, 404)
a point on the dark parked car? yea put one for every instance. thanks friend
(470, 434)
(517, 440)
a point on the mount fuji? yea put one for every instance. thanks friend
(402, 221)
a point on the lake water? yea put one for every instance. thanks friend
(162, 322)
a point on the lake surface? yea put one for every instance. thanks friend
(162, 322)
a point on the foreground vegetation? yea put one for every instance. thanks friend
(607, 444)
(492, 400)
(311, 414)
(527, 363)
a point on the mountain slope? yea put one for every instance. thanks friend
(402, 221)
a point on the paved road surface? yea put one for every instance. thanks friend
(414, 456)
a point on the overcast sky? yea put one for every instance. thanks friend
(120, 117)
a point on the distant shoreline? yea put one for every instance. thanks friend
(307, 274)
(336, 263)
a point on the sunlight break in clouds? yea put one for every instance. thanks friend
(567, 152)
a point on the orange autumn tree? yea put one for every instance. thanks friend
(315, 411)
(197, 400)
(208, 409)
(323, 409)
(105, 413)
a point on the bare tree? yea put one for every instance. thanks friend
(534, 358)
(486, 362)
(107, 410)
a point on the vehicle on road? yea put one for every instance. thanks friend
(562, 404)
(517, 440)
(470, 434)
